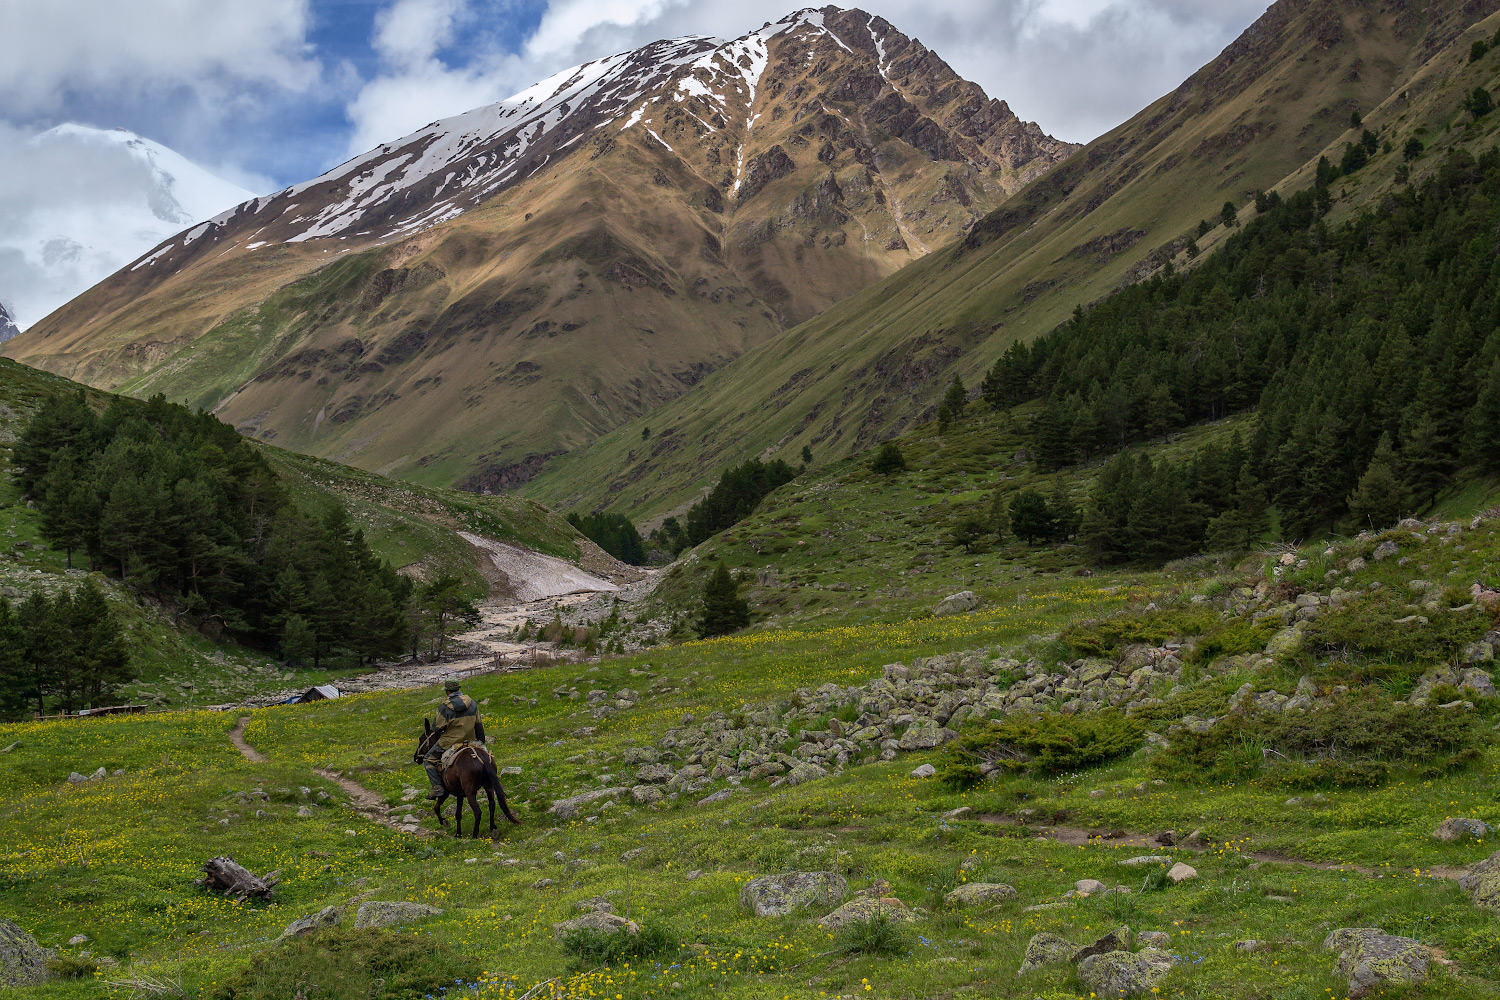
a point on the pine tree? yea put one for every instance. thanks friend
(448, 607)
(1229, 215)
(951, 409)
(807, 455)
(1029, 517)
(14, 680)
(888, 460)
(1065, 515)
(100, 659)
(969, 532)
(1377, 501)
(999, 515)
(298, 641)
(724, 611)
(1052, 436)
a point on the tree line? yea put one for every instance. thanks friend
(1371, 351)
(178, 505)
(64, 652)
(614, 533)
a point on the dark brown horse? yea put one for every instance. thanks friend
(471, 772)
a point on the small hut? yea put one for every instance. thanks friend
(322, 692)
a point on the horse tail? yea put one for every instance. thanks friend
(493, 777)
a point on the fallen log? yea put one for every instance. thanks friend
(222, 874)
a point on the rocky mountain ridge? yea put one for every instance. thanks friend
(502, 286)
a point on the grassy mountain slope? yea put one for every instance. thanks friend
(1256, 117)
(642, 245)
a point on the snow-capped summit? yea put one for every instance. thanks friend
(8, 328)
(88, 201)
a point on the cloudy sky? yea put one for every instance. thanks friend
(265, 93)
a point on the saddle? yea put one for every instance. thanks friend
(452, 753)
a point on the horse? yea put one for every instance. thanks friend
(471, 772)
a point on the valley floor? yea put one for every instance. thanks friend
(334, 806)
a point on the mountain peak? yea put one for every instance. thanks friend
(8, 326)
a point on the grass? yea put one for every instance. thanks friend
(114, 859)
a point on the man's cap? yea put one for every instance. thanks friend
(451, 686)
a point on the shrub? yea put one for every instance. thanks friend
(1369, 628)
(1232, 638)
(879, 935)
(591, 948)
(1353, 742)
(1104, 637)
(1050, 742)
(347, 963)
(72, 967)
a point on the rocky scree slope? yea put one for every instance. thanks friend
(463, 303)
(1257, 117)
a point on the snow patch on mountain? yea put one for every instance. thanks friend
(80, 202)
(8, 327)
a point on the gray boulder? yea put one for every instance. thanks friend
(925, 737)
(806, 771)
(654, 773)
(865, 909)
(1385, 550)
(1045, 949)
(604, 923)
(1369, 958)
(956, 604)
(379, 913)
(646, 794)
(23, 962)
(977, 893)
(322, 920)
(569, 808)
(1121, 974)
(1457, 828)
(778, 895)
(1481, 881)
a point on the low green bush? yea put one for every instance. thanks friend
(1106, 636)
(1232, 638)
(1051, 743)
(338, 963)
(592, 948)
(879, 935)
(1368, 628)
(72, 967)
(1354, 742)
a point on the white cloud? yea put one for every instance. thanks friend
(57, 48)
(76, 204)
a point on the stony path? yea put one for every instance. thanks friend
(364, 802)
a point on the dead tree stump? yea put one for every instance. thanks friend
(224, 875)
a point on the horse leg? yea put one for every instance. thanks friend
(437, 809)
(458, 814)
(489, 793)
(474, 805)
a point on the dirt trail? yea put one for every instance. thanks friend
(364, 802)
(1078, 837)
(237, 737)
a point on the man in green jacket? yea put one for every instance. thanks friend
(456, 721)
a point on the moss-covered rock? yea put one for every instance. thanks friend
(1370, 958)
(1046, 949)
(1122, 974)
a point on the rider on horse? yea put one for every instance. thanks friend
(456, 721)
